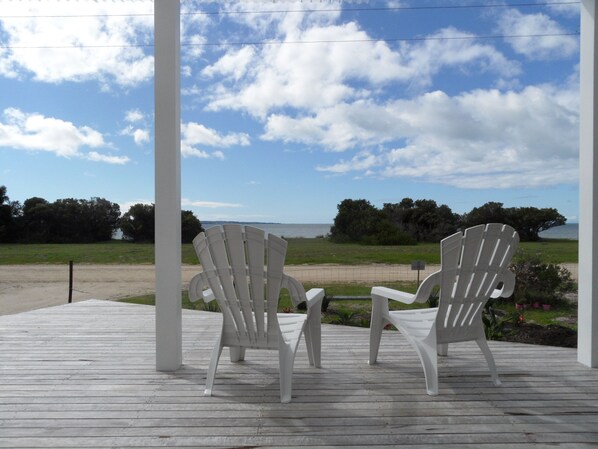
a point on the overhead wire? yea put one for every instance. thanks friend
(331, 41)
(290, 11)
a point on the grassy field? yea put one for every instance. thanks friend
(301, 251)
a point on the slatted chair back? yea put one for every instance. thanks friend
(472, 264)
(244, 270)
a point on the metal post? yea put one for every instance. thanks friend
(70, 281)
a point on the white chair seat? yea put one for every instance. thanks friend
(416, 322)
(291, 326)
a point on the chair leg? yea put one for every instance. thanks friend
(212, 368)
(286, 357)
(443, 349)
(483, 344)
(379, 309)
(237, 353)
(313, 340)
(428, 355)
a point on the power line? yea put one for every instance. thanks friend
(285, 11)
(397, 39)
(264, 43)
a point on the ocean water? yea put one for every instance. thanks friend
(568, 231)
(289, 230)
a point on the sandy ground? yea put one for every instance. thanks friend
(28, 287)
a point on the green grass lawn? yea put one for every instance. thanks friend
(300, 251)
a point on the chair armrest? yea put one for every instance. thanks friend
(422, 294)
(314, 297)
(199, 290)
(395, 295)
(508, 286)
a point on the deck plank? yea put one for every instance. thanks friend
(83, 375)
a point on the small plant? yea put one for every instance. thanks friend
(342, 316)
(434, 297)
(497, 323)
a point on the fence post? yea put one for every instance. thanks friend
(70, 281)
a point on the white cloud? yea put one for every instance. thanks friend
(309, 76)
(39, 133)
(104, 36)
(513, 22)
(209, 204)
(124, 207)
(566, 9)
(479, 139)
(97, 157)
(134, 115)
(35, 132)
(194, 134)
(140, 136)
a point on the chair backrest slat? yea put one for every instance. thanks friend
(472, 266)
(244, 267)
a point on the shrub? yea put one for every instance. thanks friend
(538, 281)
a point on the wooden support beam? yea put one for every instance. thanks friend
(168, 184)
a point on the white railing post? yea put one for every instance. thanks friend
(167, 184)
(587, 352)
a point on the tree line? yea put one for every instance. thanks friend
(81, 221)
(409, 221)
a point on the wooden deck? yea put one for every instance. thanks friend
(83, 376)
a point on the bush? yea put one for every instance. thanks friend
(540, 282)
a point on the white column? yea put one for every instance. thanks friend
(168, 184)
(587, 352)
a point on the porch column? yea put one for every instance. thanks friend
(587, 352)
(167, 184)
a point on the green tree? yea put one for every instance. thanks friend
(527, 221)
(530, 221)
(491, 212)
(423, 220)
(104, 217)
(137, 224)
(358, 221)
(36, 221)
(355, 220)
(9, 214)
(71, 223)
(190, 226)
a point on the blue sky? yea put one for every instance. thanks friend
(290, 107)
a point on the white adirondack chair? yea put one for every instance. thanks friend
(474, 268)
(243, 271)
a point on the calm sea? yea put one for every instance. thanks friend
(568, 231)
(287, 230)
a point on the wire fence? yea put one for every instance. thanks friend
(358, 273)
(372, 273)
